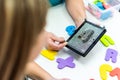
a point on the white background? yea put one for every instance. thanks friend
(86, 67)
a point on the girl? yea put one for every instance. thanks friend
(22, 36)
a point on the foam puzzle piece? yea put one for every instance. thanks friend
(92, 9)
(49, 54)
(111, 53)
(103, 1)
(106, 6)
(107, 40)
(104, 68)
(106, 15)
(65, 62)
(95, 1)
(115, 72)
(70, 29)
(100, 5)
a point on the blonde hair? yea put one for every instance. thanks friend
(20, 23)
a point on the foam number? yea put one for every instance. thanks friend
(104, 68)
(115, 72)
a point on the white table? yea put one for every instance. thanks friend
(86, 67)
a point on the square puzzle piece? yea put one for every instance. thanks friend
(49, 54)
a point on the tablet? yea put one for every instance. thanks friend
(85, 37)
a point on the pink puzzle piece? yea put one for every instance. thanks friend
(115, 72)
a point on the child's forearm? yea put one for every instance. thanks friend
(76, 9)
(36, 72)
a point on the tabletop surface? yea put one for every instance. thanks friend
(86, 68)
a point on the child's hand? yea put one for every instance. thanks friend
(53, 42)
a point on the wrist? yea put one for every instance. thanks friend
(79, 21)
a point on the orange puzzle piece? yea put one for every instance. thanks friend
(115, 72)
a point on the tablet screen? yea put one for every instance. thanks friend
(84, 37)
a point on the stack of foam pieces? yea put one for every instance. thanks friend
(103, 9)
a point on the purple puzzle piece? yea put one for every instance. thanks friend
(111, 53)
(65, 63)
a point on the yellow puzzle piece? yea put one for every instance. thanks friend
(104, 68)
(49, 54)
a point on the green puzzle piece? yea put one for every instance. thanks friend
(107, 40)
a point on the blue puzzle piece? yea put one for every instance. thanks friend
(70, 29)
(111, 53)
(100, 5)
(70, 33)
(65, 63)
(106, 15)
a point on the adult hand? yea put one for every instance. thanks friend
(53, 42)
(77, 11)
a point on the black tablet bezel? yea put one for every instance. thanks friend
(92, 45)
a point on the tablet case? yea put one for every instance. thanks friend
(85, 38)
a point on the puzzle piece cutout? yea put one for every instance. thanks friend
(104, 68)
(107, 40)
(115, 72)
(49, 54)
(65, 62)
(111, 53)
(70, 29)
